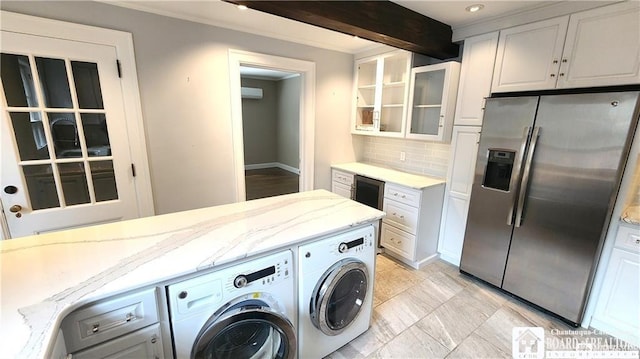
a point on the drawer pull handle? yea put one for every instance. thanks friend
(637, 241)
(96, 326)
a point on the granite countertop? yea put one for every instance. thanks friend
(390, 175)
(45, 277)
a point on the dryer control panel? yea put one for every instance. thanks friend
(264, 276)
(261, 275)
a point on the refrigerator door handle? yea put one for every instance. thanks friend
(525, 176)
(516, 171)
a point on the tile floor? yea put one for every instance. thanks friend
(437, 312)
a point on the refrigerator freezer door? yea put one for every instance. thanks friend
(504, 135)
(574, 176)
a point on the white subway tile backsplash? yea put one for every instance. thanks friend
(421, 157)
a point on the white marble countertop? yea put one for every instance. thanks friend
(389, 175)
(43, 278)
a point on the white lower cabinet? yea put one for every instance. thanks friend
(410, 229)
(144, 343)
(617, 310)
(462, 163)
(124, 326)
(398, 241)
(341, 183)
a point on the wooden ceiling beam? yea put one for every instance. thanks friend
(380, 21)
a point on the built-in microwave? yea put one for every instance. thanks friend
(368, 191)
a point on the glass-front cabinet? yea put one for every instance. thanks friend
(382, 85)
(432, 101)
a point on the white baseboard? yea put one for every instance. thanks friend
(258, 166)
(451, 258)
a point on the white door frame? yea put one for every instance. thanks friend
(123, 43)
(307, 71)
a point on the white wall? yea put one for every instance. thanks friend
(184, 84)
(260, 123)
(289, 121)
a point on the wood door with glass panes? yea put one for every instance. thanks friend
(65, 153)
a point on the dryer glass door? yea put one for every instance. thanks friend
(247, 331)
(339, 296)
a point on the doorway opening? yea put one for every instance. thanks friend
(271, 136)
(292, 161)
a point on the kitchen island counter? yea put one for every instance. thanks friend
(45, 277)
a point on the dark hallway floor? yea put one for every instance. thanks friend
(268, 182)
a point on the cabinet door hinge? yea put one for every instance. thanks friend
(133, 170)
(119, 68)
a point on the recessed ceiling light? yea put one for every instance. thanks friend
(242, 7)
(474, 7)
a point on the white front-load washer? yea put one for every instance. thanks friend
(242, 311)
(335, 291)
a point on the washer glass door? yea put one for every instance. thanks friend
(247, 330)
(338, 297)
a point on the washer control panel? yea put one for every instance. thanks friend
(270, 274)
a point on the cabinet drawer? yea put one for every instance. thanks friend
(398, 241)
(145, 343)
(341, 189)
(401, 216)
(628, 238)
(108, 319)
(408, 196)
(342, 177)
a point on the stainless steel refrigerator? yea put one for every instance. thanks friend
(547, 175)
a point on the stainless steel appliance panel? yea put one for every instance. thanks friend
(486, 244)
(573, 177)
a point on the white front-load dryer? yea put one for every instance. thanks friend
(335, 289)
(242, 311)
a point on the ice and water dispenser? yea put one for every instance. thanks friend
(499, 168)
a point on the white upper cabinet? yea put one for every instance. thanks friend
(476, 72)
(528, 56)
(382, 84)
(602, 47)
(432, 97)
(599, 47)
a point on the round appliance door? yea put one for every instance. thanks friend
(247, 330)
(338, 297)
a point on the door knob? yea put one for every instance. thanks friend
(15, 208)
